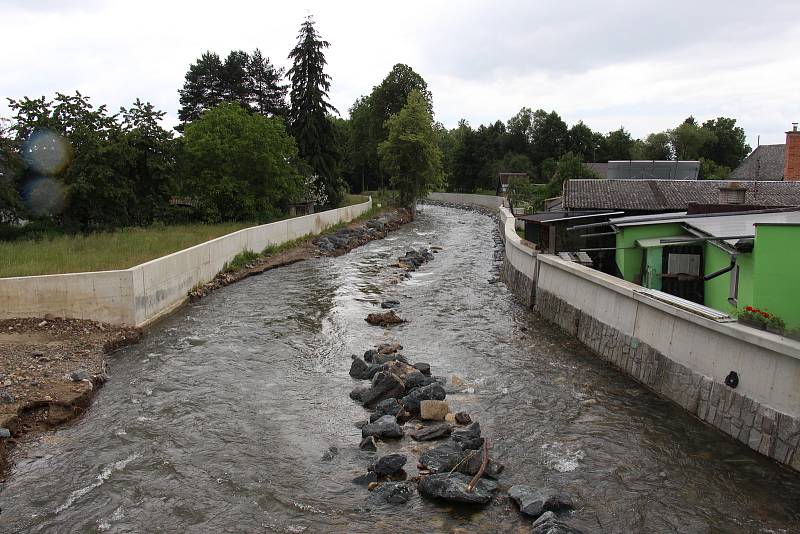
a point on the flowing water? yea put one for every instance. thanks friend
(233, 414)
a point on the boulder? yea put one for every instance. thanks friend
(388, 465)
(384, 428)
(368, 444)
(434, 410)
(78, 375)
(389, 348)
(362, 370)
(399, 369)
(392, 493)
(385, 358)
(384, 386)
(430, 433)
(417, 380)
(453, 487)
(472, 461)
(389, 304)
(442, 458)
(430, 392)
(388, 407)
(463, 418)
(549, 524)
(5, 433)
(384, 319)
(424, 368)
(366, 480)
(369, 355)
(469, 437)
(534, 502)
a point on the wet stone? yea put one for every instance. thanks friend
(463, 418)
(453, 487)
(434, 410)
(442, 458)
(384, 428)
(534, 501)
(5, 433)
(430, 433)
(390, 303)
(368, 444)
(386, 407)
(424, 368)
(78, 375)
(387, 358)
(362, 370)
(430, 392)
(470, 437)
(392, 493)
(6, 397)
(417, 380)
(388, 465)
(384, 386)
(366, 480)
(549, 524)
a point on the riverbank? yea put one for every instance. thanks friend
(50, 370)
(51, 367)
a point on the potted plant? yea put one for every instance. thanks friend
(753, 317)
(776, 325)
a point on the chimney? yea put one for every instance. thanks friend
(733, 193)
(791, 167)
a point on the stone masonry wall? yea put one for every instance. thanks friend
(761, 428)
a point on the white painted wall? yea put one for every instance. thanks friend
(143, 293)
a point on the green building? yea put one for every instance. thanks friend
(722, 260)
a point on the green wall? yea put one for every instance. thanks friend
(629, 261)
(777, 282)
(718, 289)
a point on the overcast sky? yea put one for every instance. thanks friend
(645, 65)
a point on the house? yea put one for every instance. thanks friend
(660, 196)
(772, 162)
(722, 260)
(502, 181)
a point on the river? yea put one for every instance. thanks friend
(233, 414)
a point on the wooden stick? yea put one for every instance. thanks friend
(484, 463)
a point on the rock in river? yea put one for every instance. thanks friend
(388, 465)
(385, 428)
(453, 487)
(433, 410)
(389, 304)
(386, 407)
(430, 433)
(362, 370)
(424, 368)
(534, 502)
(430, 392)
(384, 386)
(368, 444)
(392, 493)
(384, 319)
(417, 380)
(469, 437)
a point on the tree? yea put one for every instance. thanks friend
(250, 80)
(655, 147)
(570, 167)
(727, 147)
(11, 206)
(617, 145)
(549, 136)
(268, 94)
(410, 152)
(308, 116)
(468, 161)
(689, 140)
(240, 165)
(202, 88)
(581, 141)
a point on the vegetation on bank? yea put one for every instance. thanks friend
(104, 251)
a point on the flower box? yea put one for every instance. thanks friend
(759, 325)
(775, 329)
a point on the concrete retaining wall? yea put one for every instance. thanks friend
(143, 293)
(486, 201)
(678, 354)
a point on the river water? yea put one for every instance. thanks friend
(233, 414)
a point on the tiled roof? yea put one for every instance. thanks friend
(666, 195)
(764, 163)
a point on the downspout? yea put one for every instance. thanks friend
(722, 271)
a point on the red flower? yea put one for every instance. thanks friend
(749, 308)
(765, 315)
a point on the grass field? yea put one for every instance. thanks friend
(104, 251)
(107, 251)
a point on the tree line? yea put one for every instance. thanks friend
(254, 138)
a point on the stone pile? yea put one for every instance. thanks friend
(346, 239)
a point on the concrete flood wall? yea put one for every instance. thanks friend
(145, 292)
(680, 355)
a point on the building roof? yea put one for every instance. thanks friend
(549, 216)
(670, 195)
(764, 163)
(740, 225)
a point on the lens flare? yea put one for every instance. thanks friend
(47, 152)
(45, 196)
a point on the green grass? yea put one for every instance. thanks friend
(104, 251)
(121, 249)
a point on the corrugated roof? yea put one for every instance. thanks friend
(764, 163)
(670, 195)
(721, 225)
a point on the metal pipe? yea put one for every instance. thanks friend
(598, 234)
(722, 271)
